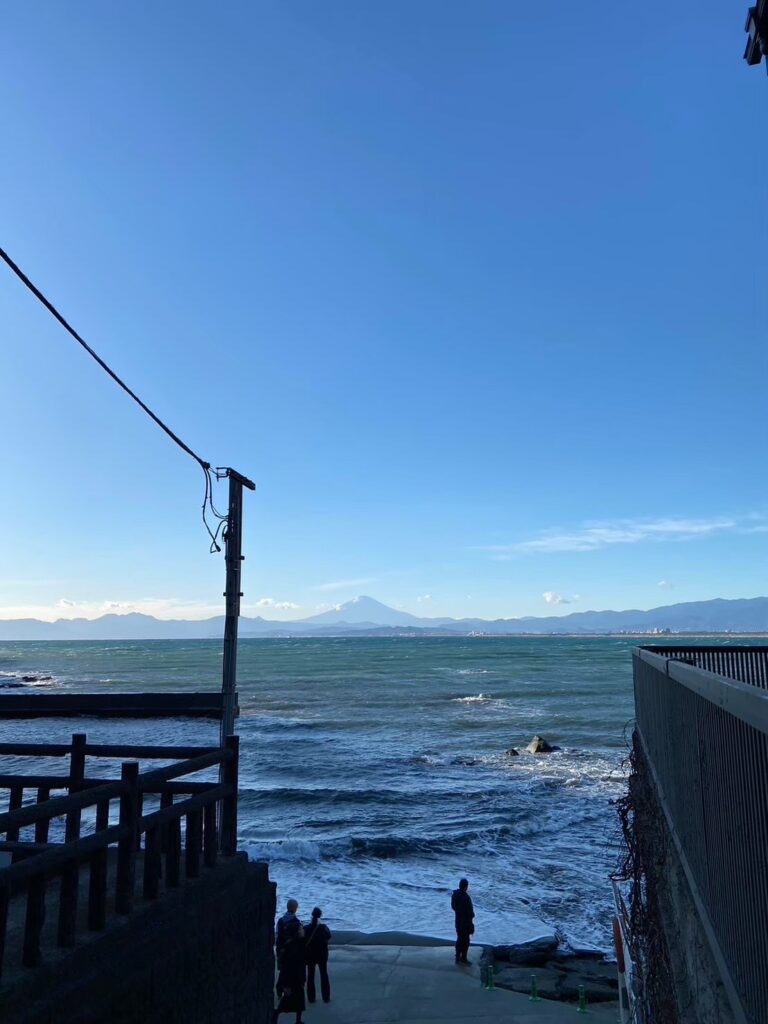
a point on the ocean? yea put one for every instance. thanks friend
(374, 772)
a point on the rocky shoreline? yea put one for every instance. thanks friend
(559, 972)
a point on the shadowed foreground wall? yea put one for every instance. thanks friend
(201, 954)
(681, 984)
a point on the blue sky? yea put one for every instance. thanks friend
(473, 291)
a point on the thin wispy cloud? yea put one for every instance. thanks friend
(159, 607)
(345, 584)
(269, 602)
(424, 597)
(595, 535)
(666, 585)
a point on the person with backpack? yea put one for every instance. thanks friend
(317, 936)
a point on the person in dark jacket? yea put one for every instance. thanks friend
(291, 963)
(287, 925)
(317, 937)
(464, 912)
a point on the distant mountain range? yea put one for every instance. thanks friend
(365, 616)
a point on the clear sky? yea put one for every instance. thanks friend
(475, 292)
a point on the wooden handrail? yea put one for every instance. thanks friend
(194, 764)
(36, 749)
(183, 807)
(89, 782)
(35, 781)
(59, 856)
(208, 807)
(121, 750)
(145, 753)
(125, 704)
(60, 805)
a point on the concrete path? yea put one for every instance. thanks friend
(413, 985)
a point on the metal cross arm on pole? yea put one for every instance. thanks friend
(223, 472)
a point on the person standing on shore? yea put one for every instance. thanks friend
(291, 963)
(464, 913)
(287, 926)
(318, 935)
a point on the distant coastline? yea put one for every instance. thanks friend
(366, 617)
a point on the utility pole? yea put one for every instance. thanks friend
(233, 557)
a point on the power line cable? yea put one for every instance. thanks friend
(205, 466)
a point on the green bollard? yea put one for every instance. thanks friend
(534, 996)
(582, 1007)
(491, 982)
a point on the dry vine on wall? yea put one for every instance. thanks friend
(641, 865)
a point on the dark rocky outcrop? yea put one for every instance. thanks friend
(558, 976)
(539, 745)
(527, 954)
(512, 752)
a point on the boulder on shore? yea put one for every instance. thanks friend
(528, 954)
(539, 745)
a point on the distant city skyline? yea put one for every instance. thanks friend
(483, 327)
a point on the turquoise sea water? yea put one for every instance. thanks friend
(374, 771)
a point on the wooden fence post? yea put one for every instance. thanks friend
(193, 840)
(15, 799)
(210, 837)
(173, 853)
(126, 847)
(152, 863)
(33, 923)
(41, 827)
(4, 901)
(97, 888)
(166, 800)
(229, 803)
(70, 875)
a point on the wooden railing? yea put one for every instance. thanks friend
(160, 704)
(191, 817)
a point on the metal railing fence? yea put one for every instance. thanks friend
(747, 664)
(702, 718)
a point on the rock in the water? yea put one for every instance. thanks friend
(539, 745)
(512, 752)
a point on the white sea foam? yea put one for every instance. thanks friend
(28, 679)
(285, 850)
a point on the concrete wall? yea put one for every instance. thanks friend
(198, 955)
